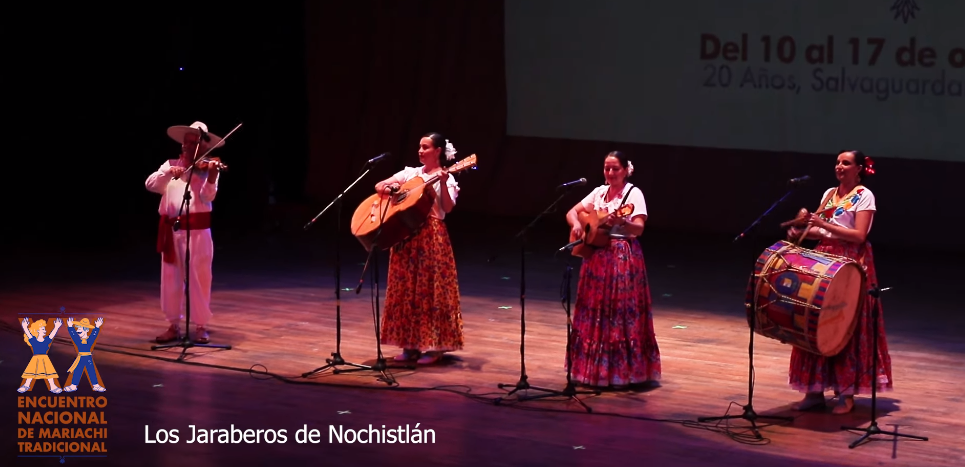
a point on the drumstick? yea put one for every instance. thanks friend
(792, 223)
(808, 226)
(799, 220)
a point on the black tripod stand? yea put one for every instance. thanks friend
(570, 390)
(873, 429)
(523, 383)
(186, 343)
(380, 363)
(749, 414)
(337, 360)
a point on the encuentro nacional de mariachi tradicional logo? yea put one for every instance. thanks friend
(62, 421)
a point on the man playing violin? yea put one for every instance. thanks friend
(170, 181)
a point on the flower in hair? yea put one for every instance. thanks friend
(629, 168)
(450, 151)
(869, 166)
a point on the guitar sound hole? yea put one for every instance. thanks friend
(401, 197)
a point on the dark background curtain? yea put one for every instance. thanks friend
(320, 88)
(382, 73)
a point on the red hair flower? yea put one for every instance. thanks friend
(869, 166)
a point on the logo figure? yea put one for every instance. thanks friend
(905, 9)
(84, 335)
(40, 366)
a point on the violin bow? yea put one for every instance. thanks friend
(220, 143)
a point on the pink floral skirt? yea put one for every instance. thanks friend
(848, 372)
(613, 342)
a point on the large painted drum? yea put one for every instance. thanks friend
(805, 298)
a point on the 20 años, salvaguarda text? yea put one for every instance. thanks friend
(60, 425)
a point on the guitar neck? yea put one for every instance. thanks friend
(435, 178)
(458, 167)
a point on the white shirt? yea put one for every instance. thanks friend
(596, 201)
(409, 173)
(847, 208)
(172, 191)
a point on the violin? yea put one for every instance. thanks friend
(207, 162)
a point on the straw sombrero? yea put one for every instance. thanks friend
(177, 133)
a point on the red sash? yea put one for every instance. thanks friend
(165, 231)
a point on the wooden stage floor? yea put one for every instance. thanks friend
(274, 304)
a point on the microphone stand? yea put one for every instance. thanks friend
(186, 343)
(749, 414)
(569, 390)
(523, 383)
(873, 428)
(337, 359)
(766, 213)
(380, 364)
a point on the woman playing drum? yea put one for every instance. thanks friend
(841, 228)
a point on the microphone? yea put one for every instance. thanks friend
(570, 245)
(799, 180)
(579, 182)
(204, 135)
(379, 157)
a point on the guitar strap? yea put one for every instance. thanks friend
(632, 186)
(626, 196)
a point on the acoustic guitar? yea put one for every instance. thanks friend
(401, 214)
(595, 233)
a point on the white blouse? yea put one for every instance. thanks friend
(861, 199)
(596, 201)
(409, 173)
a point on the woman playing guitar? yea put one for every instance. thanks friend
(613, 341)
(422, 312)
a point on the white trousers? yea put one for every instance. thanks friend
(172, 278)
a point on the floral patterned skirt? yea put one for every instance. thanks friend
(422, 293)
(849, 372)
(613, 341)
